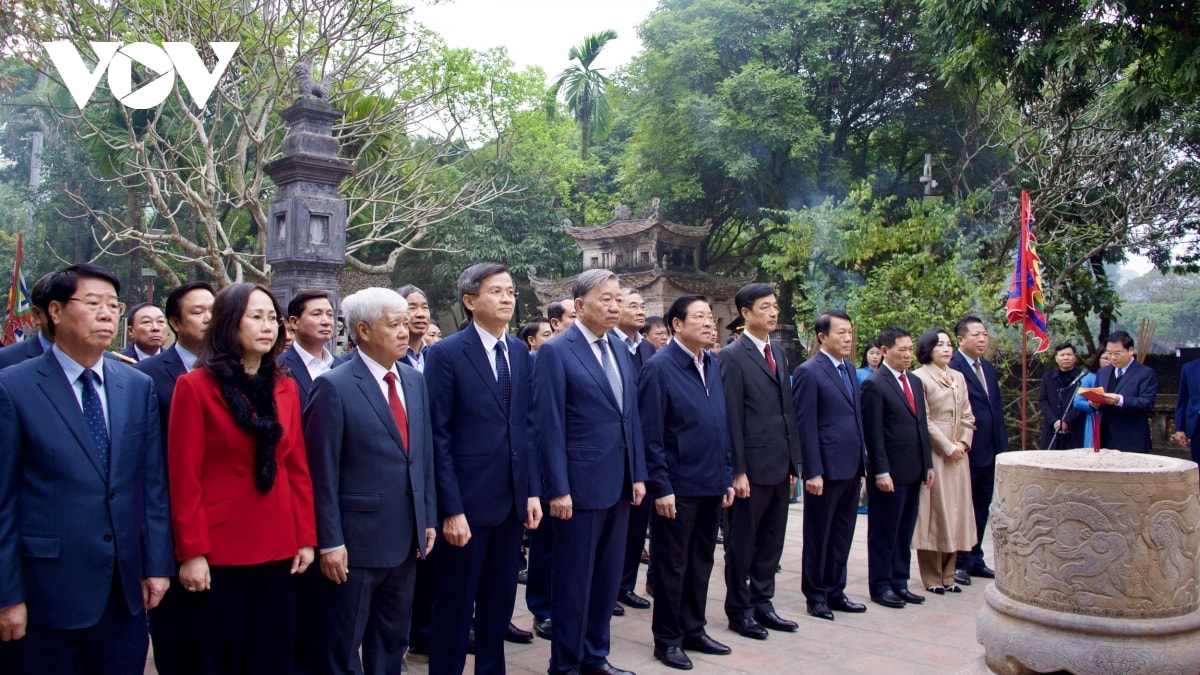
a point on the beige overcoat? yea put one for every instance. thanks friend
(946, 521)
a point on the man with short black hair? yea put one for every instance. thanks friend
(418, 324)
(561, 312)
(900, 459)
(85, 546)
(41, 341)
(147, 330)
(656, 331)
(310, 314)
(989, 440)
(1062, 424)
(766, 454)
(1130, 392)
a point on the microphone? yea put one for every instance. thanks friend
(1082, 372)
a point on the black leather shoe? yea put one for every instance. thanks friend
(910, 597)
(821, 611)
(605, 668)
(703, 643)
(844, 604)
(747, 627)
(962, 578)
(543, 629)
(517, 636)
(523, 577)
(631, 599)
(983, 572)
(673, 657)
(888, 599)
(773, 621)
(618, 610)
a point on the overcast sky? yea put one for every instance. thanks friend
(538, 32)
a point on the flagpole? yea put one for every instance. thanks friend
(1024, 384)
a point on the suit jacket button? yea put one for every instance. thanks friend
(107, 538)
(112, 495)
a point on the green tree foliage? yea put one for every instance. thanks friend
(1172, 301)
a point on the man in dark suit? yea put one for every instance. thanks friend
(681, 401)
(147, 330)
(41, 341)
(418, 324)
(1187, 409)
(487, 483)
(899, 460)
(188, 312)
(829, 416)
(561, 312)
(589, 440)
(766, 456)
(633, 317)
(310, 314)
(1130, 392)
(370, 452)
(85, 536)
(1062, 424)
(990, 439)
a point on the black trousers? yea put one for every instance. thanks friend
(537, 583)
(116, 645)
(983, 483)
(422, 604)
(829, 522)
(246, 623)
(683, 550)
(753, 547)
(890, 524)
(372, 610)
(635, 541)
(168, 632)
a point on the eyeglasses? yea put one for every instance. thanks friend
(500, 292)
(260, 319)
(93, 305)
(702, 318)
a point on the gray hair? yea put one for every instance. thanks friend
(629, 290)
(589, 280)
(408, 289)
(367, 305)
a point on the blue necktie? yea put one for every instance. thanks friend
(503, 378)
(846, 381)
(610, 372)
(93, 414)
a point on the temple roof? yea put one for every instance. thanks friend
(624, 223)
(689, 279)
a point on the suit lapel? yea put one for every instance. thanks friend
(116, 381)
(473, 351)
(299, 370)
(898, 391)
(835, 377)
(755, 356)
(413, 406)
(62, 396)
(587, 358)
(370, 389)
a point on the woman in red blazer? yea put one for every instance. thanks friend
(241, 496)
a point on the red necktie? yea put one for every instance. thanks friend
(912, 402)
(770, 359)
(397, 409)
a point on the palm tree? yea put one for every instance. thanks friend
(583, 88)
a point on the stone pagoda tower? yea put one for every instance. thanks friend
(306, 238)
(657, 257)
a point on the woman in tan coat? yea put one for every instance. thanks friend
(945, 522)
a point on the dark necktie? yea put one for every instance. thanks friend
(502, 375)
(93, 414)
(912, 402)
(770, 359)
(846, 381)
(610, 371)
(397, 407)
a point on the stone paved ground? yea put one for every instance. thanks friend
(936, 637)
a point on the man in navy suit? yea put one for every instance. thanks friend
(589, 440)
(40, 342)
(487, 485)
(899, 460)
(1130, 392)
(633, 317)
(370, 452)
(147, 330)
(681, 401)
(991, 438)
(829, 415)
(85, 537)
(1187, 409)
(188, 312)
(766, 458)
(310, 314)
(418, 324)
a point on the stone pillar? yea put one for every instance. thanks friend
(306, 238)
(1096, 564)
